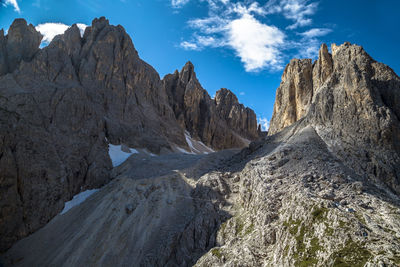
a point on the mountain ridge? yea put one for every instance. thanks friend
(62, 105)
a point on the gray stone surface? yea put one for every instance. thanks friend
(221, 123)
(321, 190)
(60, 106)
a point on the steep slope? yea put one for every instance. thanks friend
(239, 118)
(61, 106)
(353, 103)
(58, 105)
(221, 123)
(287, 200)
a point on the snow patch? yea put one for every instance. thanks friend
(184, 151)
(118, 156)
(196, 147)
(190, 143)
(78, 199)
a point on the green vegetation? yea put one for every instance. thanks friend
(216, 252)
(239, 226)
(304, 255)
(249, 229)
(329, 231)
(352, 254)
(318, 213)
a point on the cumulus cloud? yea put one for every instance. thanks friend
(264, 122)
(50, 30)
(245, 27)
(13, 3)
(255, 43)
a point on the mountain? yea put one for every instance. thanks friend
(63, 105)
(311, 193)
(221, 123)
(353, 102)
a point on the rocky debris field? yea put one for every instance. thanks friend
(285, 201)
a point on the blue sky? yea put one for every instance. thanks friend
(242, 45)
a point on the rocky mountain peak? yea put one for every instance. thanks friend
(348, 97)
(187, 73)
(225, 95)
(21, 43)
(219, 123)
(294, 94)
(323, 67)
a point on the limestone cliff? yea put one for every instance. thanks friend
(58, 105)
(322, 191)
(221, 123)
(62, 105)
(353, 102)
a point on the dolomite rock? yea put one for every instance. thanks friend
(221, 124)
(354, 108)
(294, 95)
(58, 105)
(239, 118)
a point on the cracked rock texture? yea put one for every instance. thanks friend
(304, 196)
(60, 106)
(353, 102)
(221, 123)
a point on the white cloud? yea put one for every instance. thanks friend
(178, 3)
(50, 30)
(82, 28)
(245, 27)
(255, 43)
(242, 93)
(316, 32)
(13, 3)
(298, 11)
(264, 122)
(189, 45)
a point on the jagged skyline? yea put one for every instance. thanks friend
(209, 34)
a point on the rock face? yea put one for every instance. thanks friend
(221, 123)
(60, 106)
(293, 96)
(21, 43)
(238, 117)
(353, 103)
(321, 190)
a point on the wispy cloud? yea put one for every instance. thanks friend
(178, 3)
(316, 32)
(13, 3)
(245, 27)
(298, 11)
(50, 30)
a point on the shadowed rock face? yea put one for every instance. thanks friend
(353, 102)
(221, 123)
(58, 105)
(241, 119)
(21, 43)
(312, 194)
